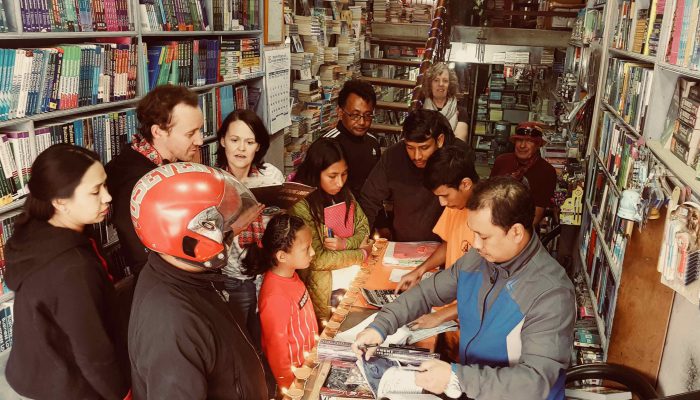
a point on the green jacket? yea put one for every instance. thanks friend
(318, 277)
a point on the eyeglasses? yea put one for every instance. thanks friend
(357, 117)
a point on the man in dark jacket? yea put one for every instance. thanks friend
(399, 177)
(356, 102)
(184, 343)
(170, 130)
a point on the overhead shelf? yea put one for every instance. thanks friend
(509, 36)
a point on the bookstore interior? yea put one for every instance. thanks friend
(607, 90)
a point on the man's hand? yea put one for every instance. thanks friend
(368, 337)
(409, 280)
(429, 320)
(246, 218)
(334, 243)
(434, 376)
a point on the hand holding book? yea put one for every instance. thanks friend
(366, 343)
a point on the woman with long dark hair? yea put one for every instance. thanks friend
(65, 344)
(339, 234)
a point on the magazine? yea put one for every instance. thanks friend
(403, 335)
(345, 380)
(389, 379)
(408, 254)
(336, 350)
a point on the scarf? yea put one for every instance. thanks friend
(253, 233)
(523, 167)
(449, 110)
(141, 145)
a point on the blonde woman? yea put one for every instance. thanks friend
(440, 90)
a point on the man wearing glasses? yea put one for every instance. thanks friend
(356, 103)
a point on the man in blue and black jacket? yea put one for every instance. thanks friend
(516, 306)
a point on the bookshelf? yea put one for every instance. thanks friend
(108, 88)
(657, 51)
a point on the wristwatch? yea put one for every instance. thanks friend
(454, 389)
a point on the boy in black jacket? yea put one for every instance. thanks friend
(184, 343)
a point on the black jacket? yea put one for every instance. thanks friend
(396, 178)
(361, 152)
(64, 318)
(122, 174)
(184, 343)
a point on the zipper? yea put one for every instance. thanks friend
(481, 320)
(235, 322)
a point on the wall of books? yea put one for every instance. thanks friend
(643, 154)
(73, 72)
(327, 39)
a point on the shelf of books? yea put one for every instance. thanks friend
(644, 142)
(327, 41)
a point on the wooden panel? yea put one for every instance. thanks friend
(385, 128)
(391, 61)
(509, 36)
(400, 30)
(643, 306)
(392, 105)
(398, 42)
(401, 83)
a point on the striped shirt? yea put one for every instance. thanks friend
(288, 324)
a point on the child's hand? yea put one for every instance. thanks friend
(334, 243)
(246, 218)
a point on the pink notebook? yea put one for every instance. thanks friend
(335, 220)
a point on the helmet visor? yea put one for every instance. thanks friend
(236, 201)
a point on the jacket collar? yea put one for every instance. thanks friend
(511, 267)
(170, 274)
(345, 132)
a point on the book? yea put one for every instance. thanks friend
(329, 349)
(389, 379)
(345, 380)
(597, 393)
(282, 196)
(408, 254)
(339, 220)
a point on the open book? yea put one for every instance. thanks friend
(389, 380)
(282, 196)
(404, 335)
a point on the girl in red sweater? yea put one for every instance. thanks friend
(287, 316)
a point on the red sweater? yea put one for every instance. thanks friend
(288, 324)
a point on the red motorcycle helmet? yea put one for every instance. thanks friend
(184, 210)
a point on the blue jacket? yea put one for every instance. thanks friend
(516, 322)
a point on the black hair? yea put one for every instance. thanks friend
(262, 136)
(322, 153)
(509, 200)
(279, 235)
(359, 88)
(56, 172)
(448, 166)
(421, 125)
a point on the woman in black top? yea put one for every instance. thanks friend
(64, 329)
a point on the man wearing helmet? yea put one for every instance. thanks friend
(170, 130)
(184, 342)
(526, 165)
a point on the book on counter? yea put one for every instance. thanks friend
(406, 355)
(408, 254)
(282, 196)
(388, 379)
(597, 393)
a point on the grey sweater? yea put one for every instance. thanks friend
(516, 321)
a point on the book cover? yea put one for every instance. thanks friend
(340, 220)
(597, 393)
(408, 253)
(282, 196)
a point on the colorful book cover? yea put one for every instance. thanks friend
(335, 219)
